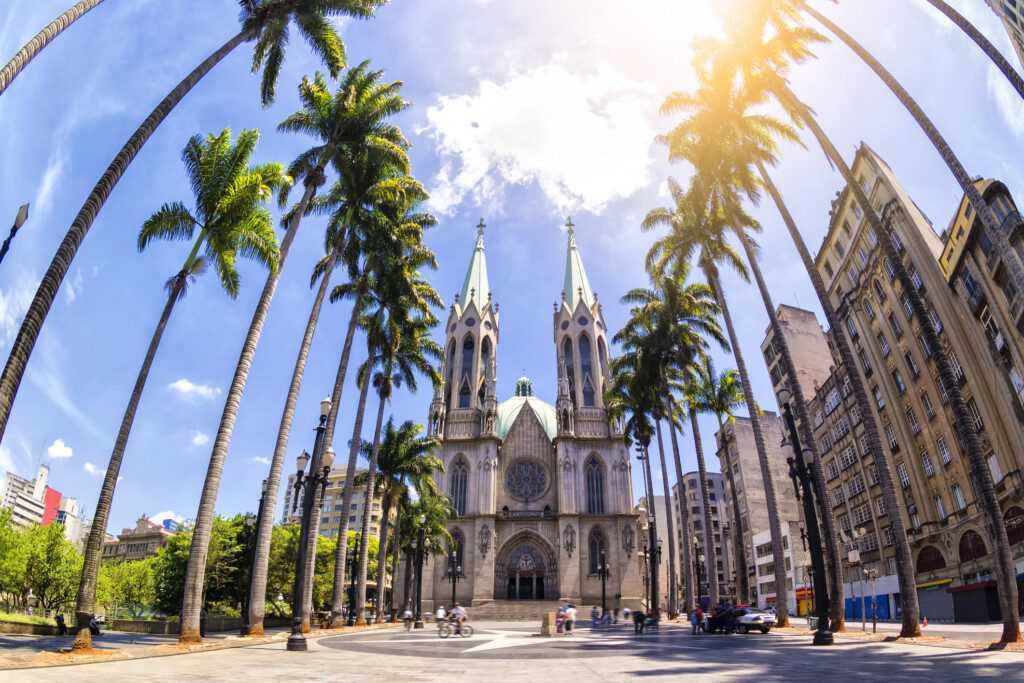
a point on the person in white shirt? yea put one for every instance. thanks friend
(458, 615)
(440, 615)
(570, 619)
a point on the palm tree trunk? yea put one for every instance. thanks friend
(904, 560)
(979, 38)
(689, 596)
(673, 559)
(407, 580)
(396, 555)
(41, 40)
(28, 333)
(988, 217)
(774, 525)
(742, 578)
(346, 351)
(987, 499)
(86, 600)
(364, 537)
(833, 560)
(258, 582)
(195, 575)
(338, 594)
(654, 604)
(709, 533)
(382, 558)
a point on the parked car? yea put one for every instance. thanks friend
(752, 619)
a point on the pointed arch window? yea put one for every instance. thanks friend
(570, 368)
(456, 548)
(450, 389)
(465, 393)
(595, 486)
(587, 368)
(458, 484)
(485, 361)
(597, 550)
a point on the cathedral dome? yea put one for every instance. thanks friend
(509, 410)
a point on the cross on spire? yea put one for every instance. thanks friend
(480, 227)
(570, 225)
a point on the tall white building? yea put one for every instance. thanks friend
(724, 564)
(26, 498)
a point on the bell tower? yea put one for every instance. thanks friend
(466, 406)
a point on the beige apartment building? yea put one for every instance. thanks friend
(799, 581)
(807, 347)
(951, 550)
(741, 471)
(138, 542)
(724, 559)
(331, 512)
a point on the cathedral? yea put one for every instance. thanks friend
(542, 492)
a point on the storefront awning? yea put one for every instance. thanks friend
(934, 584)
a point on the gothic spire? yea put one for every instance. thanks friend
(476, 285)
(576, 284)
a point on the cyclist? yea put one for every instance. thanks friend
(457, 616)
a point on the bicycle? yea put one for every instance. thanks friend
(448, 628)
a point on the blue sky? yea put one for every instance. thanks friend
(524, 112)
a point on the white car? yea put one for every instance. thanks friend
(753, 619)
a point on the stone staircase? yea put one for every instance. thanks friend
(513, 610)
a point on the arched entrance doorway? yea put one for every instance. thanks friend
(525, 570)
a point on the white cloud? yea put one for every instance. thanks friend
(58, 450)
(191, 390)
(166, 514)
(6, 459)
(50, 181)
(1008, 102)
(200, 439)
(73, 286)
(47, 371)
(14, 302)
(585, 139)
(260, 459)
(93, 470)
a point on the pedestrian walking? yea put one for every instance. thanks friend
(693, 622)
(202, 622)
(570, 619)
(440, 616)
(615, 615)
(560, 620)
(62, 627)
(595, 616)
(639, 619)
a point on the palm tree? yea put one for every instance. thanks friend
(757, 58)
(231, 220)
(986, 215)
(355, 113)
(404, 460)
(711, 392)
(697, 224)
(33, 47)
(264, 21)
(990, 50)
(437, 511)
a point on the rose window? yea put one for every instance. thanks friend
(525, 480)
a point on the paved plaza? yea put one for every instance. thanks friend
(511, 652)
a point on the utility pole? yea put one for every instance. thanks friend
(872, 573)
(19, 220)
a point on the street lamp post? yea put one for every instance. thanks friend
(646, 577)
(698, 559)
(454, 574)
(252, 524)
(350, 554)
(319, 468)
(420, 546)
(872, 573)
(19, 220)
(794, 454)
(602, 569)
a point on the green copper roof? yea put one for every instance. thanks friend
(509, 410)
(575, 276)
(476, 285)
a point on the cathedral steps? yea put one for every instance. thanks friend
(513, 610)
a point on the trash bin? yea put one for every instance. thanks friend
(812, 623)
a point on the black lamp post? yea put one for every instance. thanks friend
(602, 570)
(698, 560)
(350, 554)
(252, 525)
(646, 576)
(454, 574)
(307, 484)
(801, 475)
(19, 220)
(419, 546)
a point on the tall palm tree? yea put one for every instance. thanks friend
(231, 219)
(356, 114)
(267, 23)
(33, 47)
(404, 460)
(720, 393)
(990, 50)
(986, 215)
(699, 225)
(437, 511)
(758, 58)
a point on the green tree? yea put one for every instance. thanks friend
(169, 571)
(33, 47)
(129, 586)
(13, 557)
(52, 566)
(266, 22)
(231, 220)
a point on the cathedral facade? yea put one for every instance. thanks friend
(542, 492)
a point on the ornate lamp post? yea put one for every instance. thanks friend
(351, 558)
(19, 220)
(698, 559)
(454, 574)
(419, 546)
(307, 484)
(602, 570)
(252, 525)
(796, 456)
(646, 575)
(872, 573)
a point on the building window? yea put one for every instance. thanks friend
(832, 401)
(887, 536)
(863, 255)
(570, 368)
(993, 468)
(844, 523)
(958, 497)
(467, 371)
(947, 456)
(880, 506)
(908, 308)
(972, 407)
(890, 270)
(595, 486)
(915, 426)
(883, 344)
(588, 371)
(854, 276)
(869, 309)
(890, 434)
(861, 514)
(926, 348)
(912, 364)
(897, 329)
(936, 322)
(915, 277)
(855, 414)
(847, 458)
(838, 498)
(831, 470)
(929, 409)
(851, 325)
(879, 399)
(458, 486)
(897, 378)
(958, 371)
(915, 519)
(597, 546)
(865, 362)
(901, 469)
(940, 507)
(926, 460)
(856, 485)
(897, 243)
(873, 475)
